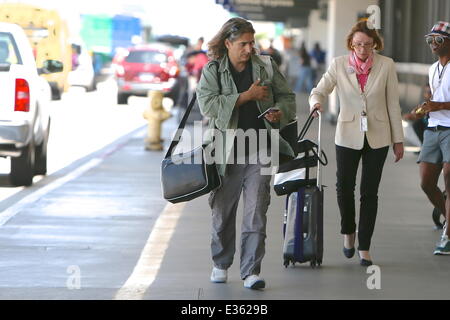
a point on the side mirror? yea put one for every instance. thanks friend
(51, 66)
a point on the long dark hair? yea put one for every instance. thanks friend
(231, 30)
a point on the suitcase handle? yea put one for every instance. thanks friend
(319, 151)
(319, 148)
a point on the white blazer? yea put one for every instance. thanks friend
(382, 101)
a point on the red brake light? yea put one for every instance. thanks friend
(22, 97)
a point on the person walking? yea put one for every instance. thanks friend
(369, 121)
(305, 80)
(434, 156)
(233, 91)
(274, 53)
(318, 62)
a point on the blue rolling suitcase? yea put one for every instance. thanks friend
(303, 227)
(303, 219)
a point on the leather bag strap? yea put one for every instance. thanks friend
(180, 129)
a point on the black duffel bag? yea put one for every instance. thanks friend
(191, 174)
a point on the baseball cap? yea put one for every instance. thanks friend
(440, 28)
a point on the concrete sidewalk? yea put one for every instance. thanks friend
(402, 247)
(100, 221)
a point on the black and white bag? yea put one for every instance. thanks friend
(297, 172)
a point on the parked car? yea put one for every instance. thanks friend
(25, 98)
(143, 68)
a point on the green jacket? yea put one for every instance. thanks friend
(220, 106)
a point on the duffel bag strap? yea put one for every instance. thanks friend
(179, 132)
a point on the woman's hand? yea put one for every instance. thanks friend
(398, 151)
(317, 107)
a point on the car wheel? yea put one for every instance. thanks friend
(122, 98)
(56, 93)
(91, 87)
(40, 165)
(22, 168)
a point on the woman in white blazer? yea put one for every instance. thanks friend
(369, 122)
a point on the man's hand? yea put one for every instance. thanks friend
(257, 92)
(430, 106)
(274, 116)
(417, 113)
(254, 93)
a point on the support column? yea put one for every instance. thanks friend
(342, 15)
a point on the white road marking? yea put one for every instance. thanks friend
(7, 214)
(152, 255)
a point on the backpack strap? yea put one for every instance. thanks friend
(219, 82)
(267, 65)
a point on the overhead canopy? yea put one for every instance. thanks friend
(286, 11)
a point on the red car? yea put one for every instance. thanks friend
(143, 68)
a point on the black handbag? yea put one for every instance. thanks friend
(188, 175)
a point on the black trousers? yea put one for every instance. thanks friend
(347, 168)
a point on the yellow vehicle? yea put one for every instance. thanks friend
(48, 36)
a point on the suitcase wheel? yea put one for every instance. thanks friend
(286, 263)
(313, 264)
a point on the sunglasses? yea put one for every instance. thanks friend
(438, 39)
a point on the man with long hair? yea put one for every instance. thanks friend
(234, 90)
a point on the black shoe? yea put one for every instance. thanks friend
(349, 253)
(365, 263)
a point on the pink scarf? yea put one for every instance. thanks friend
(360, 67)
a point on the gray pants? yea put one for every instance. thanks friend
(224, 204)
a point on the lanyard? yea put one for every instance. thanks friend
(440, 74)
(364, 101)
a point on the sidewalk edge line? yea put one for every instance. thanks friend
(152, 256)
(7, 214)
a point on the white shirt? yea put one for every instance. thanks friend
(441, 93)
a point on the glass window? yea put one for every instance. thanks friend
(36, 34)
(8, 50)
(154, 57)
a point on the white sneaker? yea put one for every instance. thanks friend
(443, 247)
(444, 231)
(254, 282)
(219, 275)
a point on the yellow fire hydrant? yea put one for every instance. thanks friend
(155, 116)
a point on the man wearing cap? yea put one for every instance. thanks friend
(435, 154)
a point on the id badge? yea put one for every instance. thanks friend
(363, 123)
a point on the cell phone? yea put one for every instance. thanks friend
(268, 111)
(266, 82)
